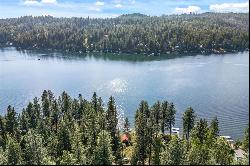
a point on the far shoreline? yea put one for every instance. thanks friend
(124, 56)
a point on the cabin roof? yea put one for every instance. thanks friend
(239, 153)
(124, 137)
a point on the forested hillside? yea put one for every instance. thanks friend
(65, 130)
(134, 33)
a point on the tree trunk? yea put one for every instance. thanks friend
(170, 128)
(150, 149)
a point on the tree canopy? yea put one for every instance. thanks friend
(132, 33)
(64, 131)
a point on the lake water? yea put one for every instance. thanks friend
(214, 85)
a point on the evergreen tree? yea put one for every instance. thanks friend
(68, 158)
(54, 149)
(94, 101)
(156, 150)
(81, 135)
(13, 151)
(11, 121)
(198, 154)
(118, 153)
(78, 149)
(188, 121)
(222, 153)
(200, 131)
(23, 123)
(45, 104)
(112, 127)
(126, 127)
(55, 116)
(246, 140)
(139, 154)
(31, 116)
(111, 118)
(91, 126)
(141, 34)
(37, 111)
(3, 158)
(65, 103)
(64, 143)
(164, 112)
(156, 112)
(170, 117)
(174, 153)
(80, 112)
(75, 110)
(103, 152)
(44, 129)
(34, 152)
(2, 133)
(97, 105)
(214, 127)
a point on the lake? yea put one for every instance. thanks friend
(214, 85)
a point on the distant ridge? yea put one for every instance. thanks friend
(134, 15)
(130, 33)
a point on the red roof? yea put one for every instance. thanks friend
(124, 137)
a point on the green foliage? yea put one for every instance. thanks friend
(222, 153)
(198, 154)
(2, 132)
(111, 117)
(170, 118)
(246, 140)
(34, 152)
(135, 33)
(174, 152)
(68, 158)
(188, 121)
(45, 104)
(103, 152)
(3, 158)
(67, 131)
(156, 114)
(214, 127)
(126, 127)
(200, 132)
(13, 152)
(91, 132)
(78, 149)
(164, 107)
(112, 122)
(11, 121)
(237, 144)
(156, 150)
(64, 143)
(140, 150)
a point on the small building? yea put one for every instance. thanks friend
(239, 154)
(175, 131)
(125, 138)
(228, 139)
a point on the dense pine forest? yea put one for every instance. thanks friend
(65, 130)
(133, 33)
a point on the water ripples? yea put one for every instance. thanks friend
(212, 85)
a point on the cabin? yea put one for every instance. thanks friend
(239, 153)
(125, 138)
(228, 139)
(175, 131)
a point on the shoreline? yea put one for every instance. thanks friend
(126, 54)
